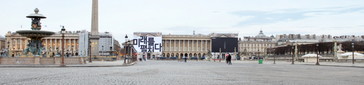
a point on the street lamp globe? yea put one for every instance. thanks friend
(63, 30)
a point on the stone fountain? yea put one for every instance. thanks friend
(35, 46)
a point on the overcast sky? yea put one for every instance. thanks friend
(246, 17)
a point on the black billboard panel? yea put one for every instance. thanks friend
(226, 44)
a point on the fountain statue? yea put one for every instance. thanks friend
(35, 45)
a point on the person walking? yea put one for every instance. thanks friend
(228, 59)
(185, 57)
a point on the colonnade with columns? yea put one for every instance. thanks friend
(255, 47)
(16, 45)
(52, 45)
(188, 47)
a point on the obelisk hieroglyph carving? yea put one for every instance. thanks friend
(94, 38)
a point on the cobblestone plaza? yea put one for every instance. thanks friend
(190, 73)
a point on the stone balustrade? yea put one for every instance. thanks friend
(40, 61)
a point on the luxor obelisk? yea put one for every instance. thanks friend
(94, 38)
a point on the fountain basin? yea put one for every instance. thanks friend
(35, 33)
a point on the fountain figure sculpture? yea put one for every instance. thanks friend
(35, 45)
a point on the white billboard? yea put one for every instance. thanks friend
(147, 44)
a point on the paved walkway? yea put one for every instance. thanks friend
(189, 73)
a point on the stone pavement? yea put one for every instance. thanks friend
(189, 73)
(121, 63)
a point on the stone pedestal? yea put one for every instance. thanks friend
(57, 61)
(36, 60)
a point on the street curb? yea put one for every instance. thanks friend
(334, 65)
(322, 65)
(67, 66)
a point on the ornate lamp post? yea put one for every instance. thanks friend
(125, 47)
(352, 45)
(89, 49)
(102, 51)
(50, 51)
(72, 51)
(7, 53)
(111, 51)
(258, 54)
(67, 53)
(63, 31)
(293, 55)
(274, 58)
(317, 58)
(131, 52)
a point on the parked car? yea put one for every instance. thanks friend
(203, 57)
(173, 58)
(162, 58)
(193, 58)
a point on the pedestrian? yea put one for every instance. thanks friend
(184, 57)
(228, 59)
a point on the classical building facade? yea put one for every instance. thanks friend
(108, 44)
(52, 45)
(76, 43)
(186, 45)
(116, 50)
(2, 43)
(256, 45)
(105, 43)
(3, 50)
(83, 44)
(289, 39)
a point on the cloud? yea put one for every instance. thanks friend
(122, 17)
(265, 17)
